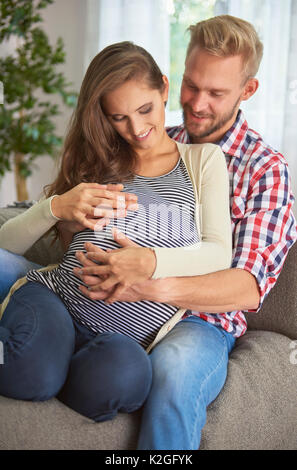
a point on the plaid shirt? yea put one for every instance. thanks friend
(261, 202)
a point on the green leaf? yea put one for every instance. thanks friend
(27, 119)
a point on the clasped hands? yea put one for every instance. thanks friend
(119, 271)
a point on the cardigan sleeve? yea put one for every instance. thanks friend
(21, 232)
(214, 251)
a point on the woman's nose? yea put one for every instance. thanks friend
(136, 126)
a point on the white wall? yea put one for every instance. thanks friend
(66, 19)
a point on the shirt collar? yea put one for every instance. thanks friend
(232, 141)
(234, 138)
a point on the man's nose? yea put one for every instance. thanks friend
(199, 102)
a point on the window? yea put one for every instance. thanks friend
(182, 14)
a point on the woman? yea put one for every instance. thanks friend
(59, 342)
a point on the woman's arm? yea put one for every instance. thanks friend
(76, 209)
(214, 251)
(21, 232)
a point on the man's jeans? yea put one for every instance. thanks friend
(12, 267)
(189, 371)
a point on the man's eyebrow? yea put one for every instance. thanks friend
(138, 109)
(223, 90)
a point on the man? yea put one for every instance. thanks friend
(222, 60)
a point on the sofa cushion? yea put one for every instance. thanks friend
(256, 409)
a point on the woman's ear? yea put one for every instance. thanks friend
(166, 89)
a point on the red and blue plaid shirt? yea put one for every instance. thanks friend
(263, 224)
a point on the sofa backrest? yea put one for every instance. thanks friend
(279, 310)
(43, 251)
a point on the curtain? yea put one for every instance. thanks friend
(146, 23)
(272, 111)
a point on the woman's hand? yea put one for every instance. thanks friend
(91, 205)
(122, 267)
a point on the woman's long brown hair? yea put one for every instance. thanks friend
(93, 150)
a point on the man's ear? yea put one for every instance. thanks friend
(250, 88)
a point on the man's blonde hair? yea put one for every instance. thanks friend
(227, 35)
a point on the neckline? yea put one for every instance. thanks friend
(159, 176)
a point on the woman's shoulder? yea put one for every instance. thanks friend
(198, 154)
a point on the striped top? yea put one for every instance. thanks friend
(165, 218)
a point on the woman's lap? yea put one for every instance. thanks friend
(46, 354)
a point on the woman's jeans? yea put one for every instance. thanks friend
(12, 268)
(48, 354)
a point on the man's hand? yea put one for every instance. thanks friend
(119, 270)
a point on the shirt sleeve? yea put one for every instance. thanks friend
(21, 232)
(214, 251)
(267, 230)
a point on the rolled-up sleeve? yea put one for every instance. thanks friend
(263, 237)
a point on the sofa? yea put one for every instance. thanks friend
(257, 408)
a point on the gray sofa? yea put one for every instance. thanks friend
(257, 408)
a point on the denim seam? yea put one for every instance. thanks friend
(33, 330)
(114, 412)
(202, 386)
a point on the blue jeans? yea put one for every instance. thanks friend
(12, 267)
(189, 368)
(189, 371)
(47, 354)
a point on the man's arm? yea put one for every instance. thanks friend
(222, 291)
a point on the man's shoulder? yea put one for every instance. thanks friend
(259, 153)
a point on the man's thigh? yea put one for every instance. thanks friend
(193, 352)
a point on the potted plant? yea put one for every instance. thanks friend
(27, 127)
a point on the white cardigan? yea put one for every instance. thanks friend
(207, 169)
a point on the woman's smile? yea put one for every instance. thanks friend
(143, 136)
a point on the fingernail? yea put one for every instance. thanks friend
(132, 207)
(121, 204)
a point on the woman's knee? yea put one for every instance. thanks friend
(38, 342)
(113, 373)
(12, 268)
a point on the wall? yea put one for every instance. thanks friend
(66, 19)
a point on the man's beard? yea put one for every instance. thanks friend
(212, 127)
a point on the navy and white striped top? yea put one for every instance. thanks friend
(165, 218)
